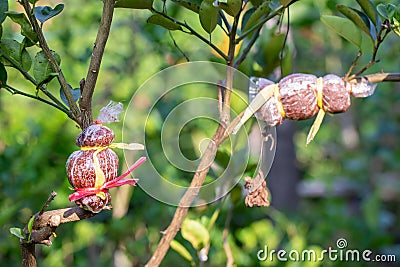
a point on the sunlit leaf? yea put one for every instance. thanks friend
(26, 29)
(194, 232)
(3, 10)
(30, 227)
(191, 5)
(17, 232)
(344, 28)
(164, 22)
(135, 4)
(208, 15)
(15, 51)
(42, 69)
(181, 250)
(359, 19)
(396, 26)
(76, 93)
(43, 13)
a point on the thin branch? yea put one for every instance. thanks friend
(247, 49)
(177, 46)
(15, 91)
(379, 40)
(381, 77)
(189, 196)
(53, 63)
(205, 163)
(193, 32)
(226, 23)
(85, 101)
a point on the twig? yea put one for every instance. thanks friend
(247, 49)
(188, 197)
(379, 40)
(177, 46)
(85, 101)
(47, 203)
(381, 77)
(15, 91)
(205, 163)
(53, 63)
(193, 32)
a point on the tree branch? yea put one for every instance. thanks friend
(381, 77)
(187, 199)
(85, 101)
(53, 63)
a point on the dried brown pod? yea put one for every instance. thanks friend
(257, 193)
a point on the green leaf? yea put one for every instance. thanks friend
(44, 13)
(164, 22)
(41, 66)
(17, 232)
(231, 7)
(386, 11)
(341, 26)
(134, 4)
(193, 6)
(33, 1)
(181, 250)
(208, 15)
(359, 19)
(256, 15)
(26, 29)
(17, 52)
(194, 232)
(369, 9)
(3, 10)
(76, 93)
(3, 75)
(30, 227)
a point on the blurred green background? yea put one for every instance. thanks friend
(345, 184)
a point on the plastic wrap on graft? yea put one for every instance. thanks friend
(111, 112)
(362, 88)
(335, 97)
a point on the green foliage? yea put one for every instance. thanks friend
(134, 4)
(341, 26)
(35, 140)
(44, 13)
(208, 15)
(42, 70)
